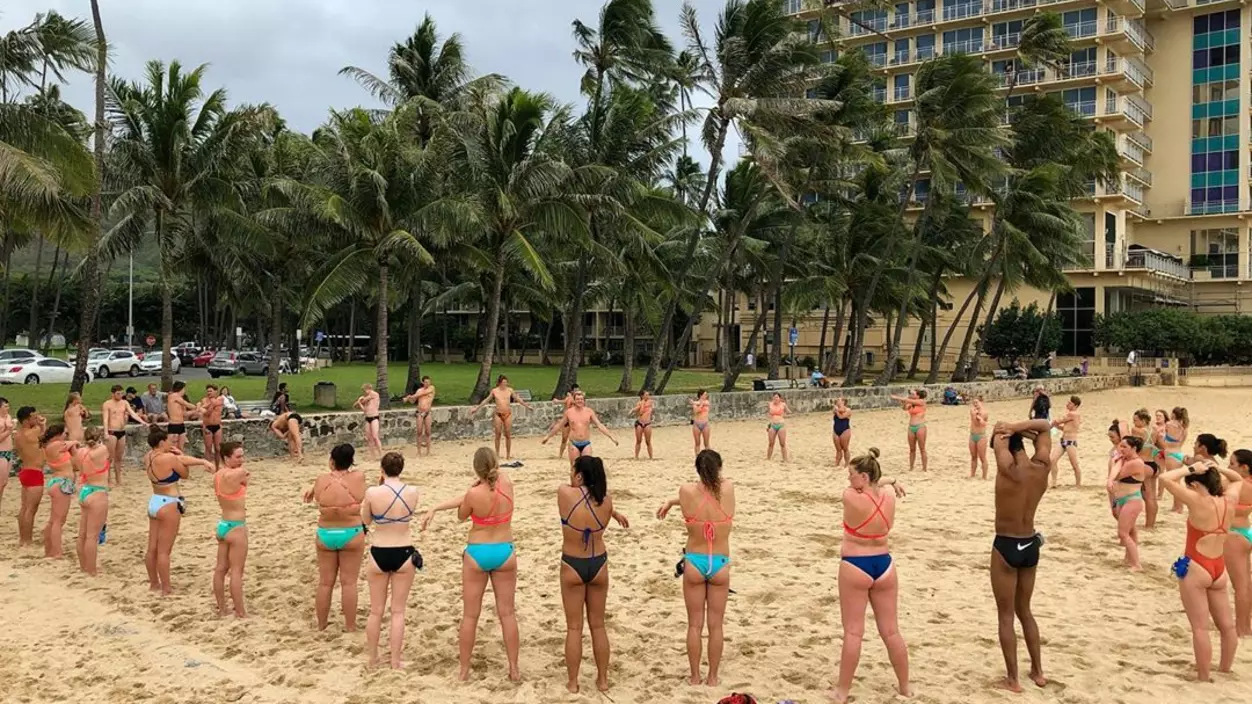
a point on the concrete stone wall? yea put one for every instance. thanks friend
(323, 431)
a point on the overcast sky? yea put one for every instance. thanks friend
(288, 52)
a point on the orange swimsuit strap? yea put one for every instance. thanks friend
(856, 532)
(710, 525)
(217, 489)
(495, 520)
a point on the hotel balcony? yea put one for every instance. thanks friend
(1140, 174)
(1140, 258)
(1125, 113)
(1123, 73)
(1128, 35)
(1132, 153)
(1212, 207)
(1142, 140)
(1126, 193)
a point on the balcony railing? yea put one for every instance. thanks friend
(969, 46)
(1228, 270)
(877, 59)
(1211, 207)
(1129, 149)
(1086, 108)
(1141, 139)
(1142, 175)
(867, 25)
(1135, 32)
(1080, 30)
(1008, 40)
(901, 93)
(879, 95)
(964, 10)
(1132, 190)
(1152, 260)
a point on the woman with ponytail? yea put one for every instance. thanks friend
(489, 556)
(91, 462)
(708, 508)
(585, 508)
(1239, 546)
(867, 575)
(1201, 571)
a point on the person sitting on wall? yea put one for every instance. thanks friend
(951, 397)
(818, 379)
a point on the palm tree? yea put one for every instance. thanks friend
(511, 146)
(175, 148)
(759, 62)
(90, 271)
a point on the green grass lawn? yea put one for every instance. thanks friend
(454, 381)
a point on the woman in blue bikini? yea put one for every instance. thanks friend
(92, 462)
(230, 485)
(776, 429)
(165, 466)
(867, 575)
(585, 509)
(340, 537)
(841, 418)
(59, 483)
(1127, 473)
(1172, 455)
(701, 433)
(708, 508)
(1238, 547)
(489, 556)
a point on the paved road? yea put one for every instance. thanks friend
(187, 374)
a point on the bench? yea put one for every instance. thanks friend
(774, 384)
(1000, 375)
(524, 394)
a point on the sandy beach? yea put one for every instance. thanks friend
(1109, 635)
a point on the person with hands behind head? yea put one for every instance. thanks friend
(489, 556)
(867, 574)
(585, 508)
(1201, 571)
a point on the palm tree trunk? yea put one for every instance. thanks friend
(447, 323)
(573, 329)
(984, 281)
(380, 339)
(680, 347)
(821, 346)
(1043, 327)
(934, 329)
(926, 322)
(504, 328)
(56, 302)
(276, 335)
(835, 364)
(972, 374)
(351, 330)
(731, 376)
(32, 328)
(8, 287)
(414, 375)
(91, 263)
(627, 384)
(671, 310)
(489, 343)
(547, 343)
(775, 350)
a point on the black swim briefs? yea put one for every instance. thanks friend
(1019, 553)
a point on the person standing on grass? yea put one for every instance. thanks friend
(1021, 481)
(75, 416)
(502, 422)
(424, 397)
(115, 412)
(368, 404)
(179, 408)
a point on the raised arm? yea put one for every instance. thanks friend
(560, 422)
(1173, 483)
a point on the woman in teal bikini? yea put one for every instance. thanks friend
(1127, 473)
(1150, 454)
(1170, 442)
(915, 405)
(165, 466)
(92, 462)
(777, 427)
(340, 537)
(489, 556)
(708, 508)
(978, 438)
(867, 574)
(58, 483)
(230, 484)
(1238, 546)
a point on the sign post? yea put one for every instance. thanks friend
(794, 337)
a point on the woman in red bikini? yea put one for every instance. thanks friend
(1201, 571)
(1239, 546)
(866, 573)
(92, 462)
(708, 508)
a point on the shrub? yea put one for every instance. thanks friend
(1015, 332)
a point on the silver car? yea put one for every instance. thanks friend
(231, 362)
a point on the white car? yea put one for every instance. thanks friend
(16, 353)
(151, 363)
(113, 363)
(38, 371)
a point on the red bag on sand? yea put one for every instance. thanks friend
(737, 698)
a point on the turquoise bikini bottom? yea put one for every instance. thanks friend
(1245, 532)
(85, 491)
(224, 527)
(489, 556)
(335, 539)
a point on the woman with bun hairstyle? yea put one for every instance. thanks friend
(1201, 571)
(708, 507)
(867, 575)
(1170, 441)
(91, 462)
(1239, 545)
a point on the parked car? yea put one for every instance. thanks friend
(16, 353)
(202, 360)
(114, 363)
(44, 370)
(151, 363)
(90, 352)
(228, 362)
(137, 351)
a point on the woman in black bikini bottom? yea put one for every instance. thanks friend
(586, 508)
(392, 558)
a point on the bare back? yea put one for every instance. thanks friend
(482, 501)
(702, 511)
(339, 495)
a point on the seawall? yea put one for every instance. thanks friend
(323, 431)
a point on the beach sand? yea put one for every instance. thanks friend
(1108, 635)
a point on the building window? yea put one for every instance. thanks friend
(1216, 251)
(1006, 34)
(1215, 112)
(876, 53)
(901, 86)
(1088, 242)
(901, 52)
(1080, 23)
(956, 9)
(792, 7)
(925, 47)
(962, 41)
(1083, 62)
(1077, 312)
(1080, 100)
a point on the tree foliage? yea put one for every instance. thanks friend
(1015, 331)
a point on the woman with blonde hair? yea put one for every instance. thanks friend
(489, 556)
(1239, 549)
(867, 574)
(92, 463)
(708, 507)
(75, 416)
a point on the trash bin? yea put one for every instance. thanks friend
(324, 394)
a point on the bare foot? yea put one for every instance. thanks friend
(695, 681)
(1039, 679)
(464, 676)
(710, 681)
(571, 687)
(904, 690)
(1136, 568)
(515, 675)
(1010, 684)
(371, 664)
(398, 665)
(223, 612)
(840, 695)
(602, 684)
